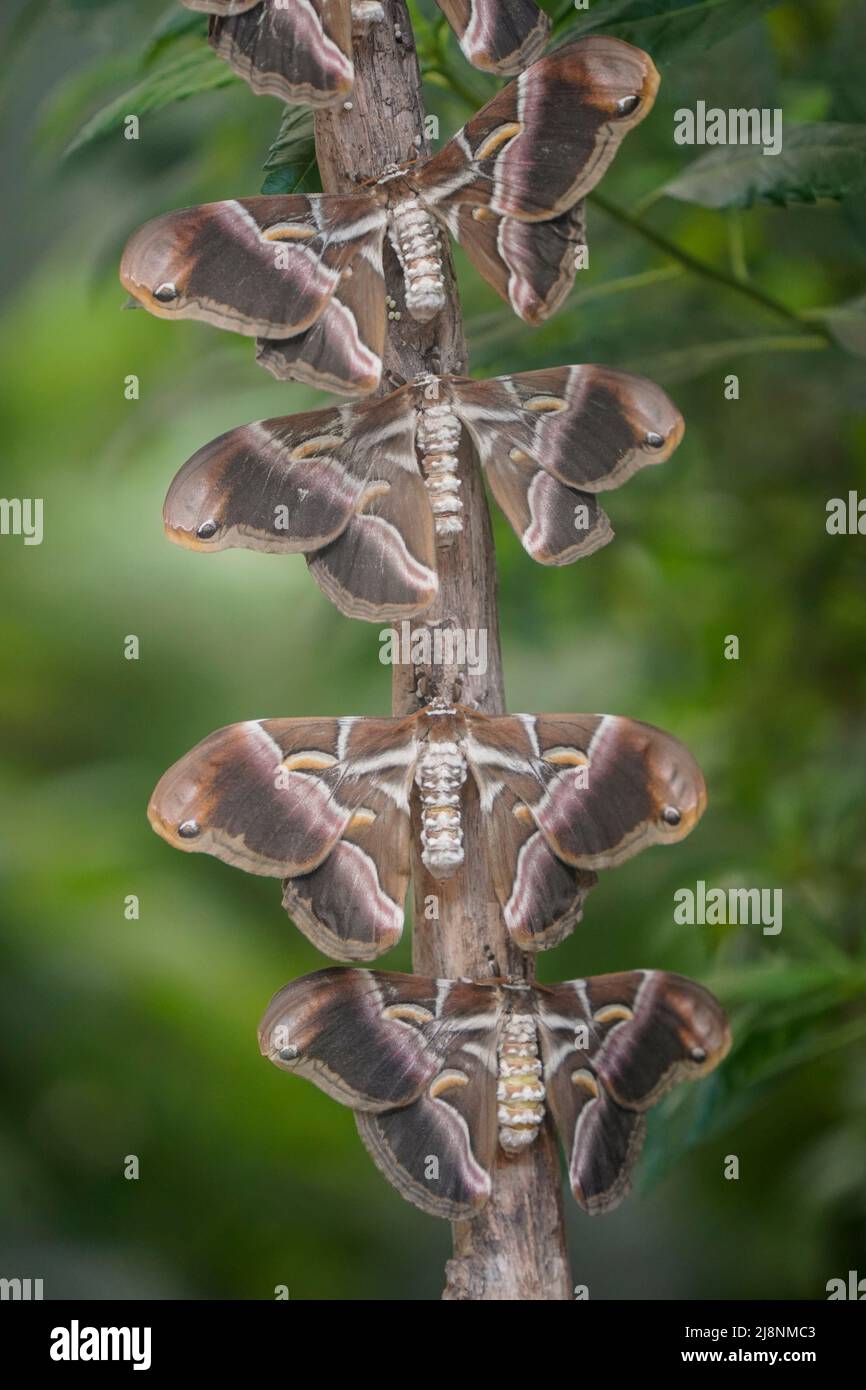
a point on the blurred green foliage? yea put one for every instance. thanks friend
(138, 1037)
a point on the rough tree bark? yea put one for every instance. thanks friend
(515, 1249)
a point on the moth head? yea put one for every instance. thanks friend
(155, 266)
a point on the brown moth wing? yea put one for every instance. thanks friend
(541, 897)
(356, 1033)
(439, 1150)
(532, 265)
(590, 427)
(286, 486)
(343, 349)
(300, 52)
(599, 787)
(500, 36)
(352, 906)
(639, 786)
(555, 524)
(264, 266)
(645, 1031)
(392, 1047)
(273, 796)
(383, 565)
(545, 140)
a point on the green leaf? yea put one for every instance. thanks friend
(290, 166)
(824, 160)
(173, 79)
(667, 29)
(174, 25)
(69, 104)
(847, 323)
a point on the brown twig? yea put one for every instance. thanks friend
(515, 1249)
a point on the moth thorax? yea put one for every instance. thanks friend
(520, 1085)
(439, 776)
(416, 241)
(438, 439)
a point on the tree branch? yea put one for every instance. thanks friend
(515, 1248)
(699, 267)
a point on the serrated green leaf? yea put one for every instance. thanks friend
(823, 160)
(174, 79)
(174, 25)
(667, 29)
(290, 166)
(69, 104)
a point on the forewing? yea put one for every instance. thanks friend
(612, 1045)
(589, 427)
(300, 52)
(358, 1034)
(500, 36)
(415, 1058)
(599, 787)
(274, 795)
(545, 140)
(287, 486)
(264, 266)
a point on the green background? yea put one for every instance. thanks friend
(138, 1037)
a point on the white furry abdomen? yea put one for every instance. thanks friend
(439, 776)
(520, 1087)
(416, 240)
(438, 439)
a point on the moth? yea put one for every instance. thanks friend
(304, 273)
(448, 1078)
(369, 491)
(301, 50)
(327, 805)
